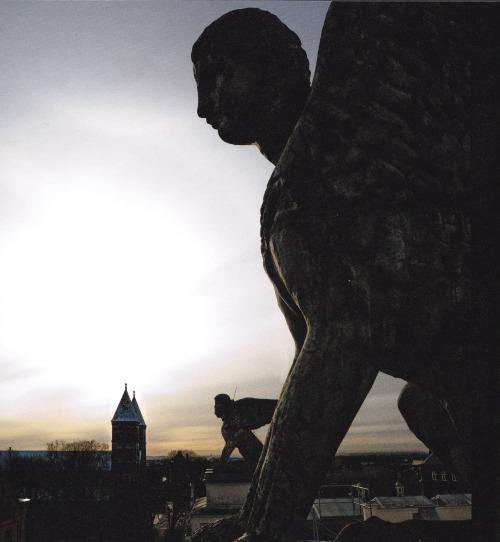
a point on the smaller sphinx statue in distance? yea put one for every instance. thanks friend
(239, 419)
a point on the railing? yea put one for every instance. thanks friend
(360, 496)
(363, 496)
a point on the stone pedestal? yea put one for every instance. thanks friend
(225, 495)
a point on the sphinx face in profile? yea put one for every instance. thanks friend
(230, 98)
(252, 79)
(222, 404)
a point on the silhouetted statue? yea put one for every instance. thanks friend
(239, 418)
(365, 225)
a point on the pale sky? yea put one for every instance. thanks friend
(129, 233)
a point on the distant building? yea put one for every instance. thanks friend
(12, 515)
(396, 509)
(456, 507)
(128, 441)
(223, 499)
(435, 478)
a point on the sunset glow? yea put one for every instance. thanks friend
(129, 237)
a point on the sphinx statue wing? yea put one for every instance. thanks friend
(379, 163)
(387, 118)
(255, 413)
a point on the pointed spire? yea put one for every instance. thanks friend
(126, 411)
(138, 411)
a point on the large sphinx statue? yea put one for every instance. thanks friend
(370, 226)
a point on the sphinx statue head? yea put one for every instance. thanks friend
(252, 77)
(222, 404)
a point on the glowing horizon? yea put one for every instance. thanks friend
(129, 239)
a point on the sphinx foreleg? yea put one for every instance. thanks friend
(329, 380)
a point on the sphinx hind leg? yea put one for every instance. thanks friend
(431, 423)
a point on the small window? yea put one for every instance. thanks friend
(453, 477)
(434, 475)
(444, 476)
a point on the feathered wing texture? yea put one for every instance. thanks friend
(255, 413)
(392, 82)
(388, 109)
(382, 155)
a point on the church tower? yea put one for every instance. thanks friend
(142, 432)
(128, 441)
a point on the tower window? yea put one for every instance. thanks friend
(444, 476)
(434, 475)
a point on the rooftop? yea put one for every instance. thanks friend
(138, 410)
(128, 410)
(417, 501)
(334, 508)
(452, 499)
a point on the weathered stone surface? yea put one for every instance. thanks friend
(369, 227)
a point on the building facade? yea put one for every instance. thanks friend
(435, 478)
(455, 507)
(12, 515)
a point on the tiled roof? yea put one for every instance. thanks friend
(453, 499)
(138, 411)
(5, 455)
(25, 454)
(44, 455)
(126, 411)
(432, 459)
(402, 502)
